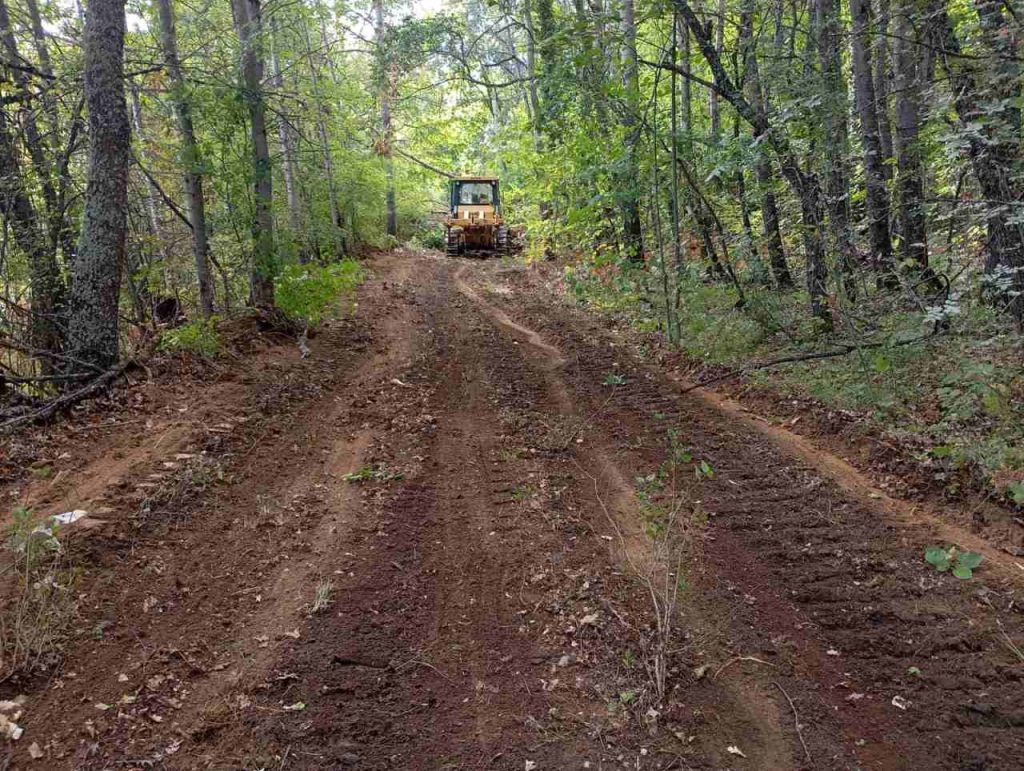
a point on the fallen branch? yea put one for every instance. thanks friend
(844, 350)
(796, 720)
(66, 401)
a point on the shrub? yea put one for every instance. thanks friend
(309, 292)
(198, 337)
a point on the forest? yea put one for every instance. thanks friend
(808, 211)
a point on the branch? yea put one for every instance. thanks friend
(424, 164)
(844, 350)
(68, 400)
(166, 198)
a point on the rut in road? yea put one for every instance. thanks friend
(455, 474)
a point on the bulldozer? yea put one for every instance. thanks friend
(474, 225)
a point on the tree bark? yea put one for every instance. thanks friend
(150, 196)
(876, 191)
(881, 75)
(96, 274)
(326, 156)
(45, 281)
(909, 161)
(835, 103)
(287, 142)
(386, 86)
(191, 158)
(632, 229)
(762, 165)
(993, 155)
(39, 150)
(248, 23)
(805, 184)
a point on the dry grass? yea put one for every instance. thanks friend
(39, 602)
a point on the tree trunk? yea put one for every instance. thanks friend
(881, 75)
(287, 142)
(714, 108)
(96, 274)
(876, 192)
(836, 139)
(994, 154)
(45, 281)
(386, 86)
(38, 149)
(909, 161)
(804, 184)
(191, 157)
(149, 197)
(762, 165)
(633, 234)
(248, 24)
(326, 156)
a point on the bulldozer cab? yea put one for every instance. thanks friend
(473, 193)
(474, 223)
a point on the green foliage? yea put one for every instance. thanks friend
(372, 474)
(198, 337)
(309, 292)
(962, 563)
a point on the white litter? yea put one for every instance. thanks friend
(68, 517)
(732, 749)
(900, 703)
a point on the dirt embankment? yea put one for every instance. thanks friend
(440, 541)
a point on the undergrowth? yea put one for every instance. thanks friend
(39, 599)
(197, 337)
(309, 293)
(957, 397)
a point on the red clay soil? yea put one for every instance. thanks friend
(422, 547)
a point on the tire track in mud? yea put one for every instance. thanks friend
(205, 595)
(831, 591)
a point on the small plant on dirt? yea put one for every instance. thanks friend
(373, 474)
(521, 492)
(198, 337)
(961, 563)
(1016, 492)
(322, 597)
(613, 379)
(36, 622)
(703, 470)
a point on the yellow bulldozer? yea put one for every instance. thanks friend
(474, 225)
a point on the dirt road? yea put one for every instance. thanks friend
(472, 530)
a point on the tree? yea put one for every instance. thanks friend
(191, 157)
(629, 177)
(248, 23)
(876, 191)
(96, 273)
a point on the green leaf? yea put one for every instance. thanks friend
(1016, 492)
(938, 556)
(963, 573)
(881, 363)
(941, 451)
(969, 560)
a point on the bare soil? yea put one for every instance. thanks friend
(423, 547)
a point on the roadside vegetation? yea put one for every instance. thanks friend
(952, 398)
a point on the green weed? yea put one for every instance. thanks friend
(199, 337)
(308, 293)
(373, 474)
(961, 563)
